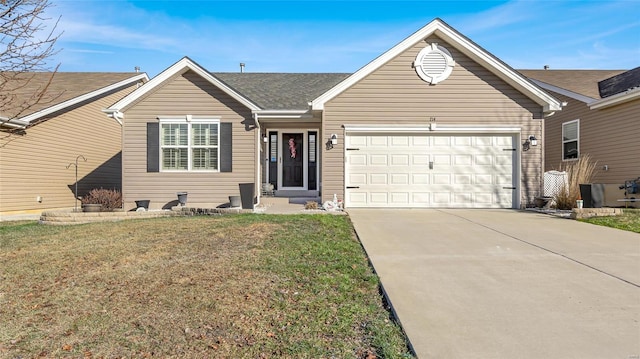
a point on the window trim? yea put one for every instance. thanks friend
(189, 121)
(577, 140)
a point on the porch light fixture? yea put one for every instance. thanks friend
(265, 139)
(334, 139)
(533, 140)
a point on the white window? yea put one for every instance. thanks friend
(570, 137)
(190, 145)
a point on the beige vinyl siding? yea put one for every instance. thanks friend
(394, 94)
(34, 164)
(186, 94)
(610, 136)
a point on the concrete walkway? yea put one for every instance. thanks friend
(506, 284)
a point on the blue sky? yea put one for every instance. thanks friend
(337, 36)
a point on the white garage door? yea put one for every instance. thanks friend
(420, 170)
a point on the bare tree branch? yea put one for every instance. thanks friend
(26, 46)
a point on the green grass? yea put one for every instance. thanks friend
(246, 286)
(628, 221)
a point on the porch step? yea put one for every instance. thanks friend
(270, 201)
(295, 193)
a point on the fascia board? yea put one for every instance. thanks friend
(617, 99)
(284, 114)
(462, 44)
(180, 66)
(564, 92)
(85, 97)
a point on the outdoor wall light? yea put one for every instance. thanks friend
(533, 140)
(334, 139)
(265, 139)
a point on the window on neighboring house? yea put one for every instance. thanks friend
(570, 135)
(190, 146)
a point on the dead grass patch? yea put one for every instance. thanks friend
(227, 287)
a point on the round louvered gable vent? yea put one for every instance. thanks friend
(434, 64)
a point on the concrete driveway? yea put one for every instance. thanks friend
(506, 284)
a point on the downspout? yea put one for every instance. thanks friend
(259, 164)
(119, 117)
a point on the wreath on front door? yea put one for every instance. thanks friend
(292, 147)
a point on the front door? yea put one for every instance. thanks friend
(292, 160)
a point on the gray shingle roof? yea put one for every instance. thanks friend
(583, 82)
(620, 83)
(281, 91)
(64, 86)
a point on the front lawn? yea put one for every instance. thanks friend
(246, 286)
(628, 221)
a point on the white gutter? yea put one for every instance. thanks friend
(82, 98)
(13, 123)
(616, 99)
(114, 114)
(283, 114)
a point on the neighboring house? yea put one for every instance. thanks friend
(436, 121)
(600, 117)
(39, 142)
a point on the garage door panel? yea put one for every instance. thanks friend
(378, 160)
(483, 160)
(399, 141)
(420, 141)
(421, 197)
(399, 198)
(462, 141)
(441, 198)
(441, 141)
(462, 160)
(462, 179)
(378, 179)
(420, 159)
(441, 160)
(419, 178)
(357, 179)
(484, 198)
(483, 179)
(442, 178)
(399, 160)
(400, 179)
(358, 159)
(380, 198)
(483, 141)
(468, 171)
(378, 141)
(503, 160)
(503, 141)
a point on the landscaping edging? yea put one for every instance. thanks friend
(581, 213)
(67, 218)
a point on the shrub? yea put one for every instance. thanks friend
(580, 171)
(110, 199)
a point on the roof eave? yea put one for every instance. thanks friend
(629, 95)
(564, 92)
(82, 98)
(283, 114)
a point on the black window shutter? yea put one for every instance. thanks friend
(226, 154)
(153, 147)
